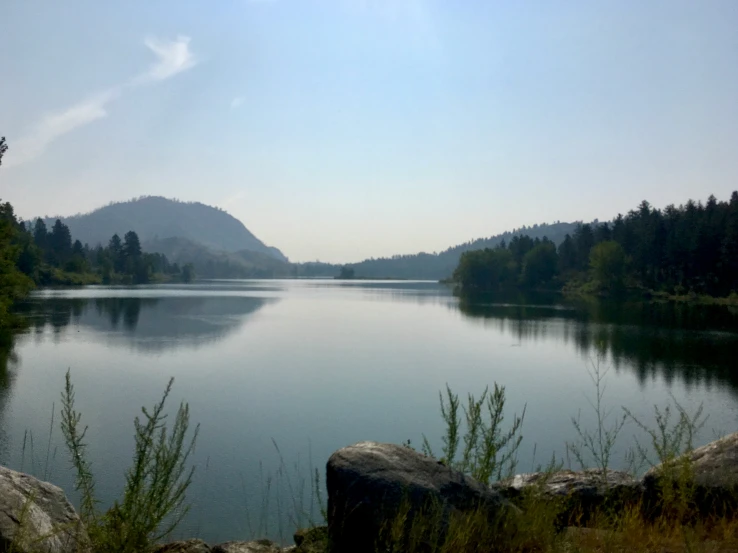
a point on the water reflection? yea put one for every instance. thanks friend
(8, 362)
(150, 325)
(694, 343)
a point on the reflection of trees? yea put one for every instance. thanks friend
(148, 324)
(127, 309)
(693, 343)
(8, 361)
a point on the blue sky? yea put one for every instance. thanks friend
(344, 129)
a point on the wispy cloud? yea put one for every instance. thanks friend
(237, 102)
(57, 124)
(173, 57)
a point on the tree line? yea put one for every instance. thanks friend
(691, 248)
(51, 257)
(32, 254)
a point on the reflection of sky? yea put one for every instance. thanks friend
(319, 365)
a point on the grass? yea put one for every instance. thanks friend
(478, 441)
(671, 520)
(702, 299)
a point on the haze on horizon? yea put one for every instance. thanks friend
(345, 129)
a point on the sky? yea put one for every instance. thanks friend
(338, 130)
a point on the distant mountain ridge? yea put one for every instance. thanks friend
(158, 218)
(435, 266)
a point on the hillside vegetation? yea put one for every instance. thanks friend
(155, 218)
(210, 263)
(435, 266)
(680, 252)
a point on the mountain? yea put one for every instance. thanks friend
(434, 266)
(210, 263)
(157, 218)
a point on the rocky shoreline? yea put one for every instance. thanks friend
(368, 482)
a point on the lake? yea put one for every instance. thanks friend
(309, 366)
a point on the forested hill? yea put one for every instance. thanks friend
(155, 218)
(435, 266)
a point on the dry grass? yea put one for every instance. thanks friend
(536, 530)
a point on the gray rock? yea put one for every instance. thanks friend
(712, 465)
(566, 483)
(577, 493)
(714, 472)
(36, 517)
(258, 546)
(368, 482)
(184, 546)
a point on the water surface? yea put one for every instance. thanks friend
(316, 365)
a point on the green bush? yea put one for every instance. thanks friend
(153, 501)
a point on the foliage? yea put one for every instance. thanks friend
(347, 273)
(693, 247)
(489, 452)
(14, 285)
(3, 148)
(432, 265)
(540, 265)
(51, 258)
(607, 261)
(674, 525)
(486, 270)
(598, 444)
(188, 272)
(153, 501)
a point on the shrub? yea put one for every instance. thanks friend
(153, 501)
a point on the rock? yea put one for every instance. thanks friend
(712, 465)
(257, 546)
(184, 546)
(311, 540)
(368, 482)
(578, 493)
(36, 516)
(714, 478)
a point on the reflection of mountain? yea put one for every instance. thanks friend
(148, 324)
(694, 343)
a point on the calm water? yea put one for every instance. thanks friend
(316, 365)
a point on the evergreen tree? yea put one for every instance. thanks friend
(40, 234)
(59, 244)
(116, 256)
(583, 242)
(567, 255)
(131, 246)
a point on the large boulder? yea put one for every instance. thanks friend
(368, 483)
(709, 474)
(575, 495)
(257, 546)
(35, 517)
